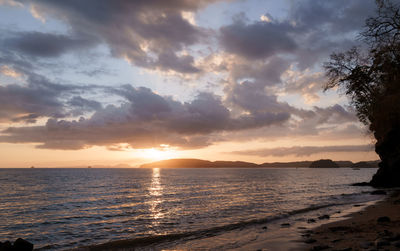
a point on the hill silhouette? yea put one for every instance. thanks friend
(198, 163)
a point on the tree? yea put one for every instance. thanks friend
(372, 80)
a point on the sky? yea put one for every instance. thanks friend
(100, 82)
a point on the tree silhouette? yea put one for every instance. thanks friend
(372, 80)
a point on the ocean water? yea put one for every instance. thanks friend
(60, 209)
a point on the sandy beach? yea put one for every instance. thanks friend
(377, 227)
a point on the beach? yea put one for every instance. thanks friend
(376, 227)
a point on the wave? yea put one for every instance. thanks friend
(198, 234)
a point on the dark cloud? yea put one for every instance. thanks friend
(251, 98)
(257, 40)
(320, 121)
(19, 103)
(183, 64)
(266, 73)
(46, 44)
(301, 151)
(40, 97)
(144, 120)
(81, 105)
(333, 17)
(147, 33)
(335, 114)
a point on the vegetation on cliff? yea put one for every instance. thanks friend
(372, 80)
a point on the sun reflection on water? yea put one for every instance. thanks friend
(155, 194)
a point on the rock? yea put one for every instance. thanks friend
(396, 244)
(378, 192)
(6, 246)
(366, 244)
(310, 221)
(310, 240)
(285, 225)
(336, 240)
(23, 245)
(383, 219)
(381, 242)
(387, 233)
(343, 249)
(318, 248)
(323, 217)
(387, 147)
(394, 237)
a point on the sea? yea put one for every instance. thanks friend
(172, 209)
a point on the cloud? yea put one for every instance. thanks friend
(9, 71)
(330, 16)
(146, 119)
(27, 103)
(249, 97)
(301, 151)
(183, 64)
(11, 3)
(258, 40)
(305, 83)
(39, 97)
(320, 121)
(299, 42)
(41, 44)
(147, 33)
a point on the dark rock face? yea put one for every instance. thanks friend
(324, 163)
(5, 246)
(23, 245)
(388, 149)
(19, 245)
(383, 219)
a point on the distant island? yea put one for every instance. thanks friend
(324, 163)
(198, 163)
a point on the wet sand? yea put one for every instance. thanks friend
(377, 227)
(339, 231)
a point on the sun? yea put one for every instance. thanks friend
(164, 152)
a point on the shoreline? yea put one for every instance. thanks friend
(282, 234)
(375, 226)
